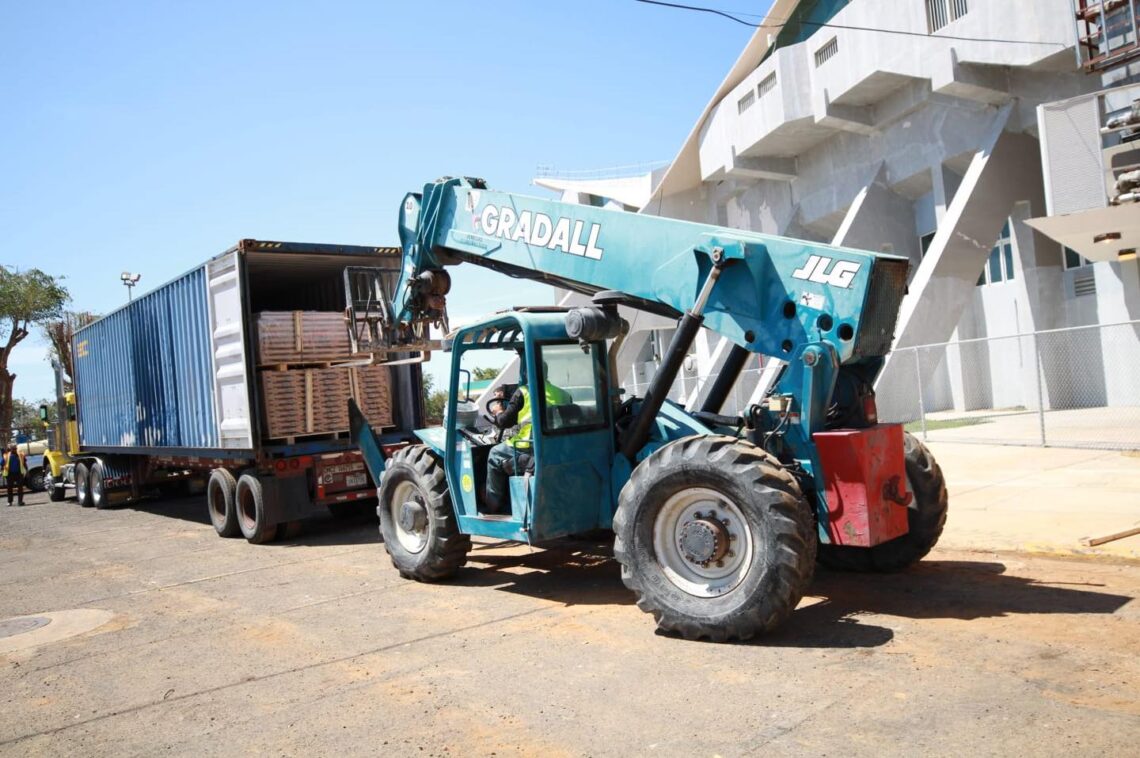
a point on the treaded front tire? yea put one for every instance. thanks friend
(925, 520)
(751, 493)
(429, 548)
(56, 492)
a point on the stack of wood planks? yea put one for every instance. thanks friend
(303, 392)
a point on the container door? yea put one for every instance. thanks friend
(227, 340)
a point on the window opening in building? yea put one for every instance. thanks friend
(924, 243)
(767, 85)
(1073, 259)
(999, 267)
(939, 13)
(827, 52)
(746, 102)
(1119, 26)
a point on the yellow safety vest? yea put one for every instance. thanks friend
(23, 465)
(521, 439)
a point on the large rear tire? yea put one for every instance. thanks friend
(82, 485)
(252, 514)
(715, 539)
(925, 518)
(97, 486)
(417, 521)
(221, 497)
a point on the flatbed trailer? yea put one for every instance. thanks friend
(169, 393)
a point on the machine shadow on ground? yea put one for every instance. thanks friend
(834, 611)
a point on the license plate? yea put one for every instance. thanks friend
(356, 480)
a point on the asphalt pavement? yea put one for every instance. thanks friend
(162, 638)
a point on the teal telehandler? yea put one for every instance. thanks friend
(718, 520)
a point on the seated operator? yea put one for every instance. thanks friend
(513, 455)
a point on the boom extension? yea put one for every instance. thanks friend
(779, 295)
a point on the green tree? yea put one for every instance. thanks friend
(435, 401)
(26, 298)
(482, 374)
(26, 417)
(59, 332)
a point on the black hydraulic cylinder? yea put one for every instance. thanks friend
(726, 379)
(638, 431)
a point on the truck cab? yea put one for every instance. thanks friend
(561, 482)
(63, 441)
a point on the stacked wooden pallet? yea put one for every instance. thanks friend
(291, 337)
(304, 393)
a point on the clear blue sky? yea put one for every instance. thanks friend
(149, 136)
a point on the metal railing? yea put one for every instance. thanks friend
(1073, 387)
(1076, 387)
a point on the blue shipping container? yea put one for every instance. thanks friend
(144, 373)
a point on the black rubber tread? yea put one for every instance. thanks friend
(96, 474)
(223, 484)
(35, 480)
(446, 549)
(82, 486)
(925, 521)
(259, 530)
(783, 533)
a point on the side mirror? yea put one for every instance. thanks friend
(44, 413)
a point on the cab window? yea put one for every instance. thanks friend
(574, 397)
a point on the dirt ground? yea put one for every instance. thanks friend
(165, 639)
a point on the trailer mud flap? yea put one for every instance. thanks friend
(366, 441)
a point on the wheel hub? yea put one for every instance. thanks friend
(413, 517)
(704, 540)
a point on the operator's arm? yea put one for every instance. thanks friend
(508, 415)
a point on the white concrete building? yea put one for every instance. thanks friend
(911, 127)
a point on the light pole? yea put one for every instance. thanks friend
(129, 281)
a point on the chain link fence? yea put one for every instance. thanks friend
(1072, 387)
(1077, 387)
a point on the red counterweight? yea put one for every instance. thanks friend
(865, 475)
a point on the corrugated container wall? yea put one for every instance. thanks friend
(144, 373)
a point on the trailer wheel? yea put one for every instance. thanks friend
(35, 480)
(926, 518)
(715, 539)
(82, 485)
(56, 492)
(221, 493)
(417, 522)
(97, 487)
(252, 516)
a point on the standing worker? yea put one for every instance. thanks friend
(14, 470)
(513, 456)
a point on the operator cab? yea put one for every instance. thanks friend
(557, 480)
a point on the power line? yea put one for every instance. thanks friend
(820, 25)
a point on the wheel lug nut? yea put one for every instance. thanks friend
(720, 564)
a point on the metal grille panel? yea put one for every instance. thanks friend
(881, 311)
(1070, 133)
